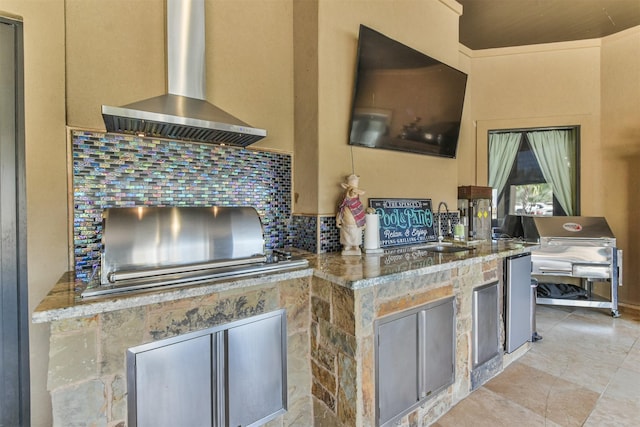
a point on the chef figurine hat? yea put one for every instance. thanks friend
(352, 184)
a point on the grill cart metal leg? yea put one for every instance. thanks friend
(534, 333)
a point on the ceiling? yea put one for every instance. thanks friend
(487, 24)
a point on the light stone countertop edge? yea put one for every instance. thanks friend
(63, 301)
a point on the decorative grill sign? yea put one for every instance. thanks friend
(404, 221)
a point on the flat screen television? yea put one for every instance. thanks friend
(403, 99)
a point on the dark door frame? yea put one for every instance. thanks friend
(14, 308)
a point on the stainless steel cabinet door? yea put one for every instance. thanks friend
(256, 371)
(518, 296)
(415, 358)
(485, 324)
(173, 385)
(438, 337)
(229, 375)
(397, 366)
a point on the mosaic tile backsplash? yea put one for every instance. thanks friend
(329, 235)
(304, 229)
(112, 170)
(306, 234)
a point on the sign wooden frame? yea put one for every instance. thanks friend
(404, 221)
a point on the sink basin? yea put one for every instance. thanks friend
(446, 249)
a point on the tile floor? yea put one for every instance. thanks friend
(585, 372)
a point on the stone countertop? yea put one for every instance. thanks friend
(353, 272)
(64, 300)
(357, 272)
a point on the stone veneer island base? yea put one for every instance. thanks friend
(87, 364)
(331, 308)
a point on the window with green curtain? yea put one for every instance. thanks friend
(535, 171)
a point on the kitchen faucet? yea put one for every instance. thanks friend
(440, 237)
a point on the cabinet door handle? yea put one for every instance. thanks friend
(422, 353)
(218, 343)
(619, 272)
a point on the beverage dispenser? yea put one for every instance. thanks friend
(474, 207)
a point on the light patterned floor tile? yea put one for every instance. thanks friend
(549, 396)
(632, 361)
(485, 408)
(612, 412)
(585, 372)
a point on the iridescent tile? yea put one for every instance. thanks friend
(125, 171)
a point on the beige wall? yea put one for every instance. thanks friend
(250, 65)
(429, 26)
(116, 55)
(593, 84)
(305, 54)
(545, 85)
(46, 173)
(620, 92)
(113, 56)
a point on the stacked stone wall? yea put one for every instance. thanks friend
(343, 342)
(87, 375)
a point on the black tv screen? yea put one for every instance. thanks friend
(403, 99)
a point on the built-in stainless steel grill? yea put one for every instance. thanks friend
(582, 248)
(145, 247)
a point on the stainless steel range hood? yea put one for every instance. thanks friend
(183, 113)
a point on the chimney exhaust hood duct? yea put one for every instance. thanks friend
(183, 113)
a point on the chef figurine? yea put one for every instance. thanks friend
(351, 217)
